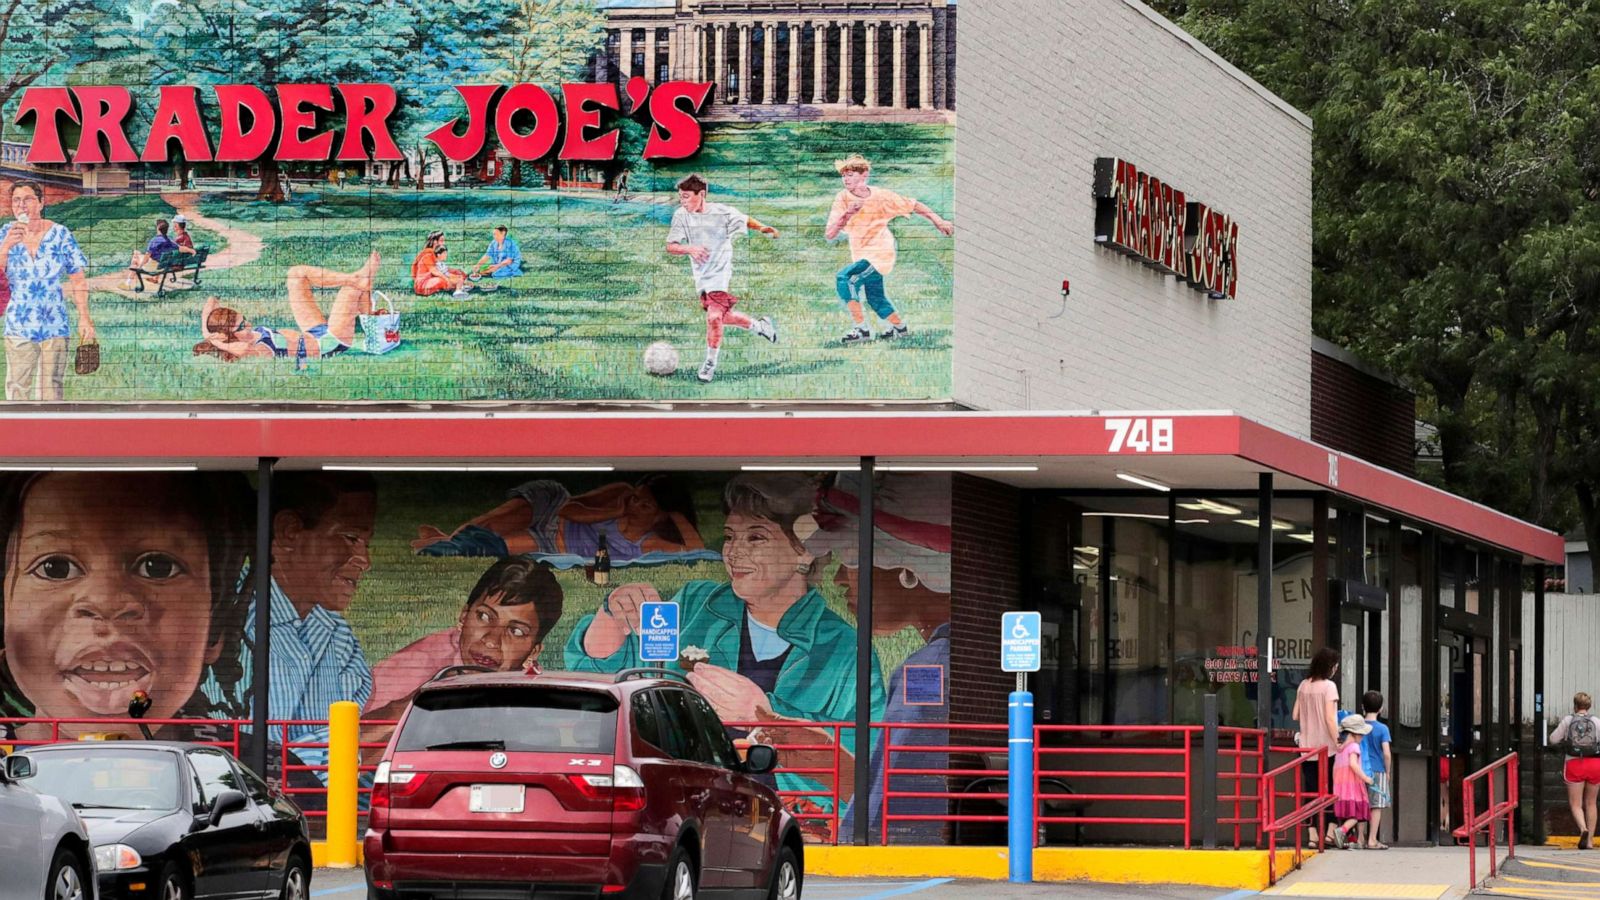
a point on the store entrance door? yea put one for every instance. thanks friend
(1359, 609)
(1462, 750)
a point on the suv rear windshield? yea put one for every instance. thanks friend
(512, 719)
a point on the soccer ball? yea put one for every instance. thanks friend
(661, 359)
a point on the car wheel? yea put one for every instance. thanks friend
(67, 880)
(786, 877)
(294, 881)
(173, 885)
(680, 877)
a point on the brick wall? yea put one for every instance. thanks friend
(985, 580)
(1046, 87)
(1359, 413)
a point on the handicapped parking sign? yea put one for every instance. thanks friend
(1020, 641)
(658, 632)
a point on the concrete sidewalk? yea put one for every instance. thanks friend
(1427, 873)
(1546, 873)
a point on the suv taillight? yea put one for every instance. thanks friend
(623, 786)
(387, 784)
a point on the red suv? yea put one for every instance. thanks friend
(503, 786)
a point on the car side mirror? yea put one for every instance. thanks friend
(226, 802)
(18, 768)
(760, 759)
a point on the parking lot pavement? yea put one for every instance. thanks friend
(348, 884)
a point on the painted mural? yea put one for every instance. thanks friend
(116, 583)
(804, 252)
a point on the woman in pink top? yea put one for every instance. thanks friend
(1316, 711)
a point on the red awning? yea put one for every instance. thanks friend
(1206, 451)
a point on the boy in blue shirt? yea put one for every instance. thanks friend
(1377, 761)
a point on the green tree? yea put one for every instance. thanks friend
(1455, 180)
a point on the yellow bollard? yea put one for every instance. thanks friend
(344, 755)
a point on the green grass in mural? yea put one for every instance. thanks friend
(405, 597)
(598, 287)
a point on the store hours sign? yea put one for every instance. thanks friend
(1139, 214)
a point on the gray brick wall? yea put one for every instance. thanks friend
(1046, 87)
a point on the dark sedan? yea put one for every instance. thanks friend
(173, 821)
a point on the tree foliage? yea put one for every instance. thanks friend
(1457, 230)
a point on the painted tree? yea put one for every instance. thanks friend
(549, 42)
(42, 40)
(421, 48)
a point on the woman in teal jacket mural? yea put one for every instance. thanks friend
(777, 653)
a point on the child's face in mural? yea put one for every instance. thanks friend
(323, 564)
(760, 559)
(107, 591)
(693, 201)
(500, 637)
(853, 181)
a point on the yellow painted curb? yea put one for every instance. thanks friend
(1240, 869)
(319, 856)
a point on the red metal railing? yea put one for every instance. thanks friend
(1248, 754)
(100, 726)
(1166, 751)
(983, 771)
(287, 748)
(1486, 821)
(806, 805)
(1184, 753)
(1305, 806)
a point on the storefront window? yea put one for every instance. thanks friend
(1408, 705)
(1216, 604)
(1379, 560)
(1124, 555)
(1449, 558)
(1470, 580)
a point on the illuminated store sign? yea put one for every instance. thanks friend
(526, 120)
(1138, 214)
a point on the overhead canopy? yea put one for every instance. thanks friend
(1183, 450)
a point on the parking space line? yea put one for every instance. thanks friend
(908, 889)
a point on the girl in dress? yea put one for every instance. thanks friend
(1350, 780)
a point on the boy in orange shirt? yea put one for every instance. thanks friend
(863, 213)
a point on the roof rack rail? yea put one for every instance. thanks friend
(448, 671)
(649, 672)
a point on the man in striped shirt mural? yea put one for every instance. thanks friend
(322, 525)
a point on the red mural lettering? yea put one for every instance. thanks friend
(463, 147)
(103, 109)
(367, 108)
(533, 99)
(584, 103)
(293, 103)
(177, 118)
(44, 104)
(237, 144)
(676, 133)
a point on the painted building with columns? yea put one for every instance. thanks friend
(802, 59)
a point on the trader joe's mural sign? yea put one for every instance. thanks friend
(256, 124)
(1139, 214)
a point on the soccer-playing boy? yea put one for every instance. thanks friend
(704, 232)
(864, 213)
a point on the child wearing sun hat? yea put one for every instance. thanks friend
(1350, 780)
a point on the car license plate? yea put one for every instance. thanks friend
(497, 798)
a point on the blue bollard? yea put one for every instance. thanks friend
(1019, 787)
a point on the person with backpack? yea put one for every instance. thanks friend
(1578, 736)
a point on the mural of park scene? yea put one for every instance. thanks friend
(379, 583)
(804, 252)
